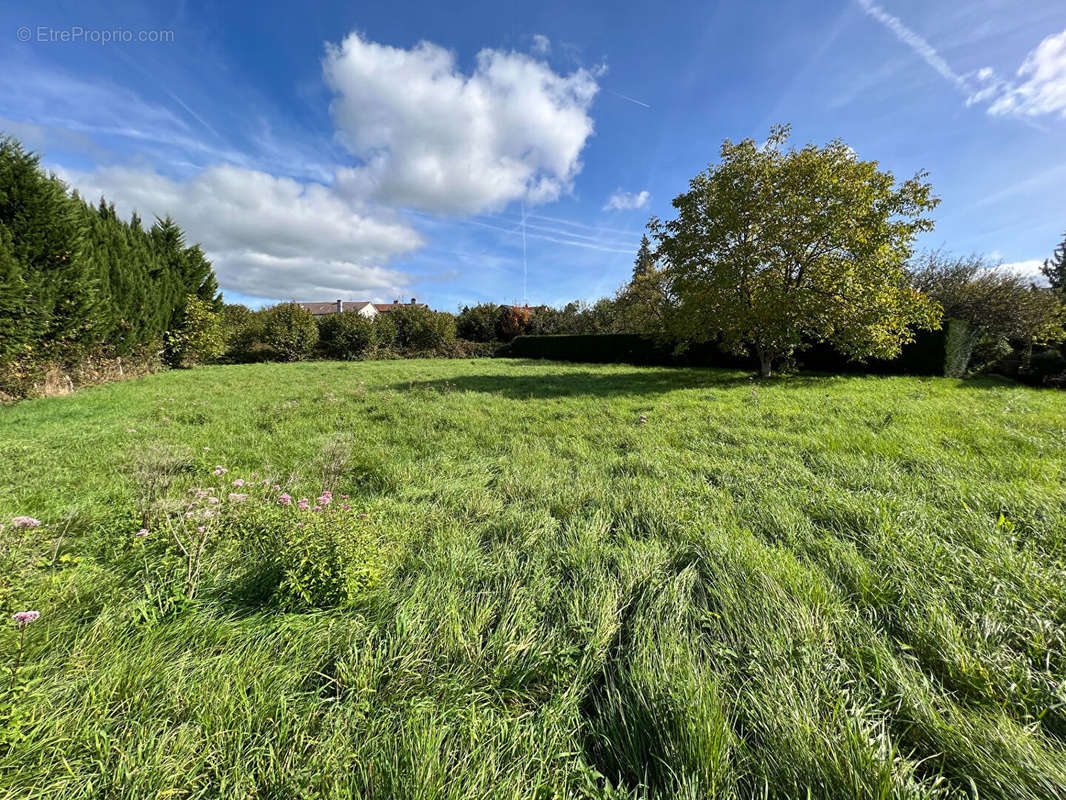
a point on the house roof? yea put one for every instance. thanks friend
(319, 309)
(391, 306)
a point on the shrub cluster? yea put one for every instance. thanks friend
(289, 332)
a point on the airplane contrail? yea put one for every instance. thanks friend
(625, 97)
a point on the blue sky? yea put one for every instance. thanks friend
(492, 151)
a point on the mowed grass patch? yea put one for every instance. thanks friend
(814, 586)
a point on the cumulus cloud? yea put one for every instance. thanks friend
(1027, 269)
(1039, 87)
(267, 236)
(542, 45)
(627, 201)
(434, 138)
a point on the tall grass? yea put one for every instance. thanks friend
(813, 587)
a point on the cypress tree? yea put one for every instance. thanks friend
(74, 275)
(1054, 268)
(645, 263)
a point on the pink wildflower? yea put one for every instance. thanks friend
(317, 508)
(188, 515)
(239, 482)
(344, 497)
(201, 528)
(363, 516)
(141, 533)
(285, 499)
(324, 499)
(212, 500)
(219, 470)
(24, 618)
(303, 505)
(255, 476)
(25, 522)
(277, 488)
(299, 524)
(237, 498)
(345, 507)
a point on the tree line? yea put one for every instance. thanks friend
(772, 250)
(76, 279)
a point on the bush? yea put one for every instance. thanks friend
(244, 333)
(328, 562)
(477, 323)
(290, 331)
(1046, 368)
(200, 338)
(348, 335)
(417, 329)
(511, 321)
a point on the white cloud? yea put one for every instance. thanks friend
(626, 201)
(1027, 269)
(434, 138)
(542, 45)
(1039, 88)
(267, 236)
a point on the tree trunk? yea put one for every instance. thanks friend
(765, 365)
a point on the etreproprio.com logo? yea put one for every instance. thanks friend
(76, 34)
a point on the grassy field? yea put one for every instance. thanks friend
(551, 581)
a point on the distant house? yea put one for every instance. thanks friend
(363, 307)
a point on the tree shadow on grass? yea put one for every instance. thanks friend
(601, 384)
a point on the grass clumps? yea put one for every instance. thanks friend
(550, 581)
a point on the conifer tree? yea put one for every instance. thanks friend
(1054, 268)
(645, 263)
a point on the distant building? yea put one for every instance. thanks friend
(363, 307)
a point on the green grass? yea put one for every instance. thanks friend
(818, 586)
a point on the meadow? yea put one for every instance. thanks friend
(534, 580)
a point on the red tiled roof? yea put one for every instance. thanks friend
(391, 306)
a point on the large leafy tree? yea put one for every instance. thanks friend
(774, 248)
(1054, 268)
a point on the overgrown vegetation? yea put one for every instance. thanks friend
(570, 581)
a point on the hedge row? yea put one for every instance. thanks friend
(924, 356)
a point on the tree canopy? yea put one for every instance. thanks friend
(775, 248)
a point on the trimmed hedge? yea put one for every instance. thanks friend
(924, 356)
(621, 348)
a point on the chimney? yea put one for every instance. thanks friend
(413, 300)
(340, 306)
